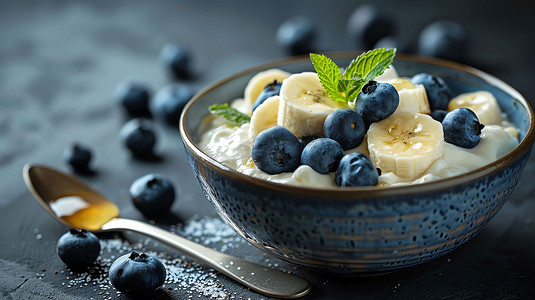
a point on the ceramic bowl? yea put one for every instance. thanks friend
(367, 229)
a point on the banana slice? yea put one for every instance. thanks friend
(304, 105)
(406, 144)
(258, 83)
(482, 103)
(412, 98)
(264, 117)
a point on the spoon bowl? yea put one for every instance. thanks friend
(74, 204)
(69, 200)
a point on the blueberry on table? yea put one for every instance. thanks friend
(139, 137)
(438, 115)
(297, 35)
(176, 60)
(137, 273)
(78, 157)
(134, 97)
(390, 42)
(356, 169)
(346, 127)
(276, 150)
(377, 101)
(438, 92)
(78, 248)
(322, 155)
(444, 39)
(367, 25)
(153, 195)
(169, 102)
(462, 128)
(272, 89)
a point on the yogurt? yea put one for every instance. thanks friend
(231, 145)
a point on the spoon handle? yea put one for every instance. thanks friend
(270, 282)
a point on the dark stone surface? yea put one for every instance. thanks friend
(61, 60)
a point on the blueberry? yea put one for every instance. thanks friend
(322, 155)
(134, 98)
(305, 140)
(438, 114)
(356, 169)
(390, 42)
(139, 137)
(367, 25)
(444, 39)
(169, 103)
(137, 273)
(272, 89)
(277, 150)
(377, 101)
(297, 35)
(152, 195)
(78, 157)
(346, 127)
(462, 128)
(438, 92)
(78, 248)
(176, 60)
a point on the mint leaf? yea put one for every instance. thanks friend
(345, 88)
(329, 74)
(370, 64)
(229, 113)
(350, 88)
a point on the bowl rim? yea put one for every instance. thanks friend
(364, 192)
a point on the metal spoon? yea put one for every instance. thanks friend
(75, 204)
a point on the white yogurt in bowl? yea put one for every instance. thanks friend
(231, 145)
(396, 122)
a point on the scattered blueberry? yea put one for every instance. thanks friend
(169, 102)
(377, 101)
(272, 89)
(444, 39)
(152, 195)
(176, 60)
(322, 155)
(390, 42)
(305, 140)
(78, 248)
(438, 115)
(137, 273)
(367, 25)
(297, 35)
(438, 92)
(139, 137)
(462, 128)
(346, 127)
(78, 157)
(134, 97)
(277, 150)
(356, 169)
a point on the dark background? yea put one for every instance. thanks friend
(61, 60)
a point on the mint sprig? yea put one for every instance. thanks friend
(346, 87)
(229, 113)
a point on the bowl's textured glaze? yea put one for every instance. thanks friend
(361, 230)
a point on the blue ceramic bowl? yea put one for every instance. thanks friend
(368, 229)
